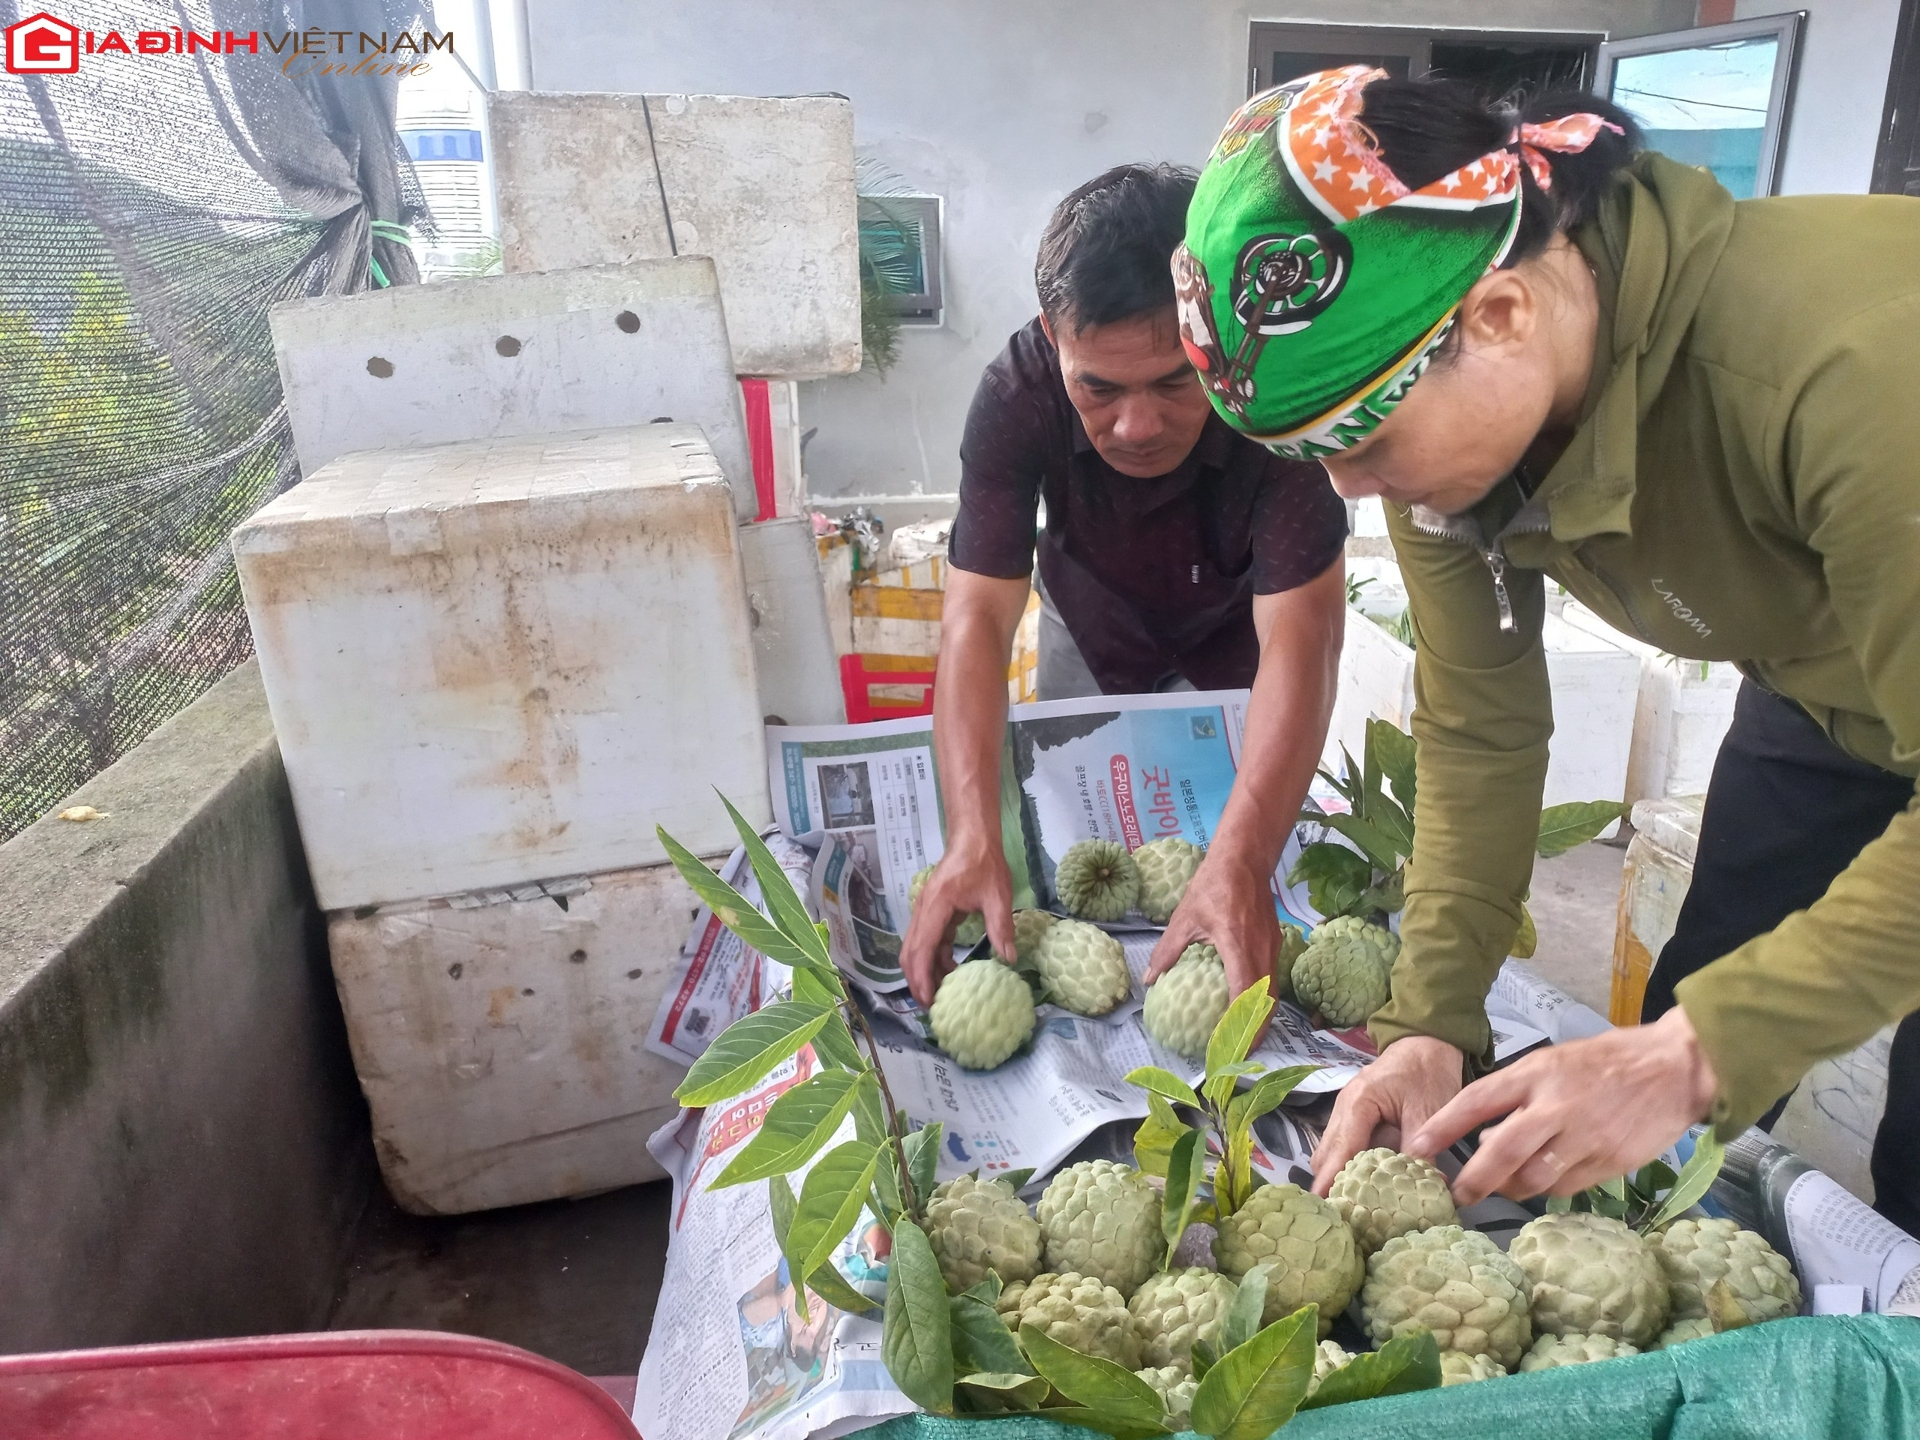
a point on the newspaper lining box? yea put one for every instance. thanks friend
(501, 1038)
(502, 660)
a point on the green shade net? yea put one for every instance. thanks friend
(1853, 1378)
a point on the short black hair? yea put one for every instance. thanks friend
(1108, 250)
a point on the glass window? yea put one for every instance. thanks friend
(1705, 105)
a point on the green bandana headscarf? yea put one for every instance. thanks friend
(1314, 286)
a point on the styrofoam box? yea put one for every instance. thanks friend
(1595, 688)
(502, 1045)
(501, 660)
(1683, 712)
(764, 185)
(514, 355)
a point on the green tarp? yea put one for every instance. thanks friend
(1851, 1378)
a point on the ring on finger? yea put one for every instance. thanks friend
(1553, 1163)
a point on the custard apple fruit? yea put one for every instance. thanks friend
(1097, 880)
(972, 928)
(1165, 866)
(1103, 1220)
(977, 1226)
(1682, 1331)
(1173, 1310)
(1382, 1193)
(1451, 1281)
(1315, 1259)
(1076, 1310)
(1694, 1254)
(1459, 1368)
(1346, 970)
(1082, 967)
(1028, 927)
(1591, 1275)
(981, 1014)
(1175, 1388)
(1328, 1357)
(1550, 1351)
(1185, 1004)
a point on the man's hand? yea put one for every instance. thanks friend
(970, 877)
(1397, 1094)
(1577, 1114)
(1229, 905)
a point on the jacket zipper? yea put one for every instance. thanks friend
(1494, 555)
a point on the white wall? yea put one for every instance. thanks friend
(1001, 106)
(1842, 90)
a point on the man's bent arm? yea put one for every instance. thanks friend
(1230, 902)
(977, 622)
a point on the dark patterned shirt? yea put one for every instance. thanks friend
(1152, 577)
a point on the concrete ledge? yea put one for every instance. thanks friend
(183, 1149)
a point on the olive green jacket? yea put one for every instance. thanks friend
(1745, 486)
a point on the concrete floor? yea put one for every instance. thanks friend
(1574, 900)
(573, 1280)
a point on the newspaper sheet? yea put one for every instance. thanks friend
(729, 1353)
(718, 977)
(1132, 769)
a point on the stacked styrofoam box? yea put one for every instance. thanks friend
(1594, 684)
(764, 185)
(495, 663)
(1680, 717)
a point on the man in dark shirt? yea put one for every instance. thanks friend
(1176, 554)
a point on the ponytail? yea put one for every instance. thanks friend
(1425, 129)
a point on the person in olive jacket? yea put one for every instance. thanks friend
(1552, 354)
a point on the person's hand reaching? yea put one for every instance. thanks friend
(970, 877)
(1396, 1095)
(1230, 906)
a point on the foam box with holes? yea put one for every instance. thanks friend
(762, 184)
(514, 355)
(501, 1037)
(500, 660)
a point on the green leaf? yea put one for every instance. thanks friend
(1164, 1083)
(1695, 1179)
(1375, 843)
(1559, 1204)
(1256, 1387)
(831, 1198)
(987, 1291)
(916, 1338)
(835, 1046)
(886, 1183)
(869, 1116)
(1221, 1085)
(1656, 1177)
(989, 1393)
(1335, 877)
(1186, 1167)
(1616, 1187)
(780, 1195)
(1387, 895)
(1016, 1178)
(1265, 1094)
(1564, 826)
(1242, 1321)
(922, 1150)
(732, 908)
(1232, 1038)
(746, 1051)
(784, 906)
(981, 1339)
(1098, 1384)
(1153, 1141)
(1404, 1364)
(818, 987)
(1203, 1359)
(1394, 749)
(831, 1286)
(794, 1128)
